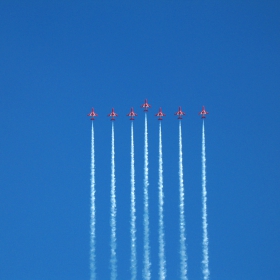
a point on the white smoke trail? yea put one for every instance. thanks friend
(183, 249)
(92, 222)
(147, 263)
(113, 212)
(133, 264)
(162, 262)
(205, 261)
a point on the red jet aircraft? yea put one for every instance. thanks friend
(146, 105)
(203, 112)
(132, 114)
(180, 113)
(92, 114)
(112, 115)
(160, 114)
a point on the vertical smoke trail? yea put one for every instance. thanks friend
(133, 264)
(147, 264)
(162, 262)
(92, 222)
(183, 250)
(205, 261)
(113, 212)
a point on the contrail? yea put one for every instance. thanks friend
(162, 262)
(113, 212)
(183, 249)
(205, 261)
(92, 222)
(147, 263)
(133, 264)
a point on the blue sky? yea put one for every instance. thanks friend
(60, 58)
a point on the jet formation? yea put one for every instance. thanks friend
(146, 106)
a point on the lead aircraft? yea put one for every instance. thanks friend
(146, 105)
(113, 115)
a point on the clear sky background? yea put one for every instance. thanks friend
(60, 58)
